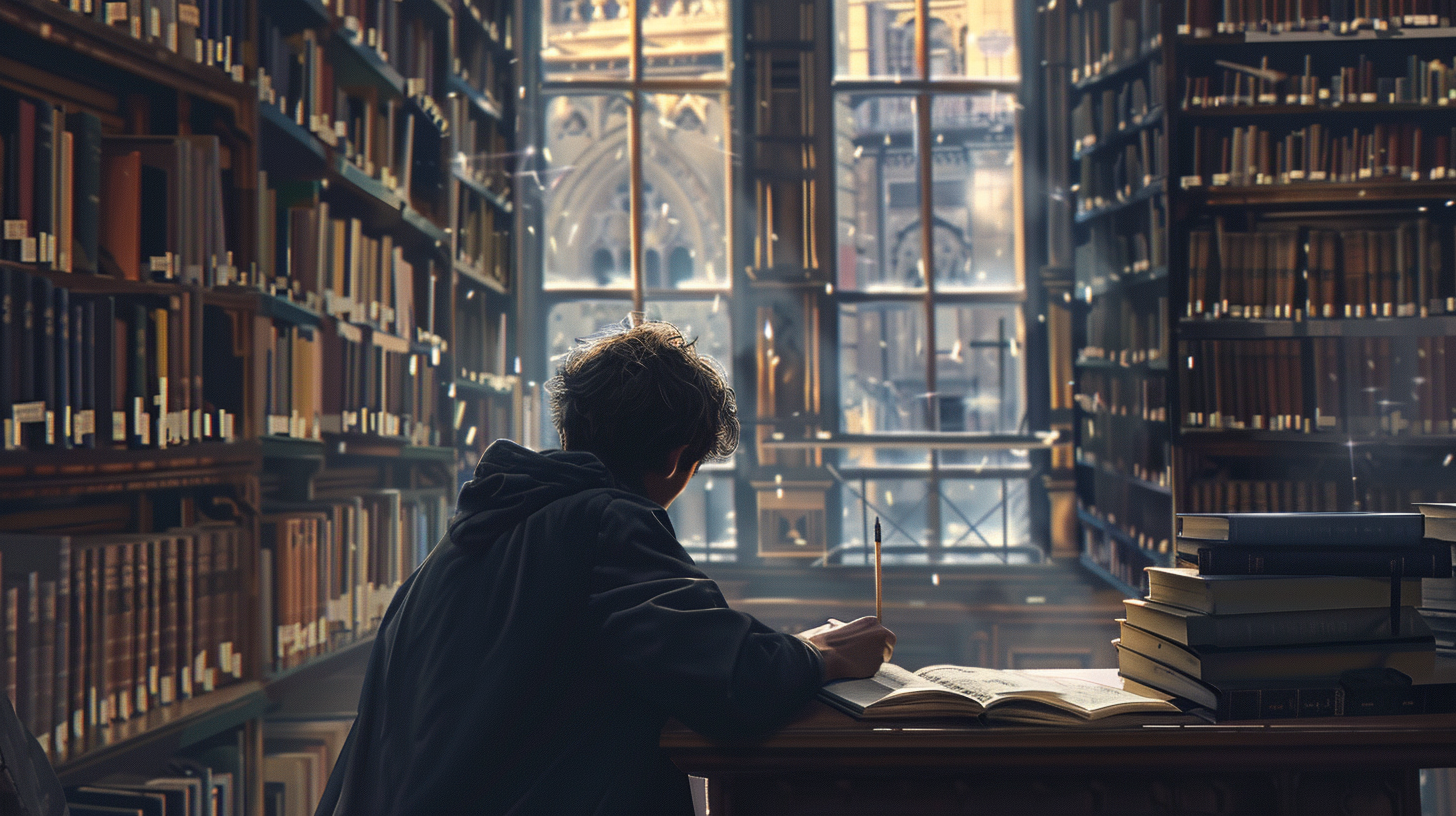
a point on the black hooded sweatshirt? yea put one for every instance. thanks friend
(529, 664)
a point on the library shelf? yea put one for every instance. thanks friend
(91, 472)
(57, 25)
(1129, 479)
(1245, 328)
(1115, 70)
(457, 84)
(1148, 191)
(479, 276)
(1120, 136)
(166, 729)
(484, 192)
(1341, 193)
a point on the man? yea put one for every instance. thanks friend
(529, 664)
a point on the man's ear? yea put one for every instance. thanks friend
(674, 460)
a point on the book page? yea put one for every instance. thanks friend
(1084, 696)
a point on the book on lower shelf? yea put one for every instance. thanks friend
(992, 694)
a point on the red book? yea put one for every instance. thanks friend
(121, 197)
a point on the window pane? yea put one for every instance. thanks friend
(983, 521)
(973, 176)
(585, 39)
(967, 38)
(684, 198)
(883, 383)
(974, 38)
(684, 38)
(586, 187)
(877, 193)
(704, 518)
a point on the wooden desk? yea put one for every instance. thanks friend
(826, 762)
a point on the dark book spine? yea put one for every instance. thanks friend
(138, 389)
(44, 432)
(111, 649)
(124, 683)
(86, 195)
(12, 643)
(1315, 530)
(185, 566)
(80, 645)
(171, 608)
(46, 144)
(45, 668)
(10, 354)
(59, 428)
(83, 410)
(203, 610)
(1415, 562)
(61, 703)
(102, 374)
(142, 632)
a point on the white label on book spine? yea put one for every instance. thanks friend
(78, 724)
(16, 229)
(188, 14)
(28, 252)
(115, 13)
(50, 427)
(169, 690)
(237, 666)
(24, 413)
(11, 434)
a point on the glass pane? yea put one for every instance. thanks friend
(973, 38)
(874, 39)
(980, 513)
(704, 518)
(586, 190)
(877, 193)
(684, 192)
(983, 521)
(900, 505)
(974, 192)
(684, 39)
(883, 384)
(585, 39)
(967, 38)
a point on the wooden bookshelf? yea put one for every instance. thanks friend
(309, 249)
(1305, 161)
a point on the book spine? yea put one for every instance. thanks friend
(1425, 562)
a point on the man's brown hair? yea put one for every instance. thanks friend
(632, 395)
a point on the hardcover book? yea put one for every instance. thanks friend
(1246, 594)
(1418, 560)
(1304, 529)
(1197, 629)
(1413, 656)
(994, 694)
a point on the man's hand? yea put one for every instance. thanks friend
(854, 649)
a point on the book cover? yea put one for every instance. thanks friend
(1304, 529)
(1308, 627)
(86, 192)
(1419, 560)
(1413, 656)
(994, 694)
(1366, 693)
(1245, 594)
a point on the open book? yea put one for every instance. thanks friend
(995, 694)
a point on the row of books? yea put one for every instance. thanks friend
(1098, 117)
(1292, 615)
(1256, 385)
(1425, 82)
(100, 629)
(1114, 252)
(1104, 37)
(373, 130)
(1107, 180)
(341, 378)
(483, 154)
(1205, 18)
(333, 564)
(88, 370)
(476, 61)
(481, 355)
(1124, 555)
(135, 207)
(208, 32)
(1143, 397)
(333, 265)
(1113, 444)
(483, 243)
(1320, 273)
(1302, 495)
(298, 756)
(1316, 154)
(1124, 332)
(185, 789)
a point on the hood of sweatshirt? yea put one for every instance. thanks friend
(512, 482)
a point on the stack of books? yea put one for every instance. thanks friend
(1438, 595)
(1292, 615)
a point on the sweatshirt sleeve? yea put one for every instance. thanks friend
(666, 631)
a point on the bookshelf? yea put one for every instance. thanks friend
(257, 278)
(1263, 264)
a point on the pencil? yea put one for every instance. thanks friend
(879, 597)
